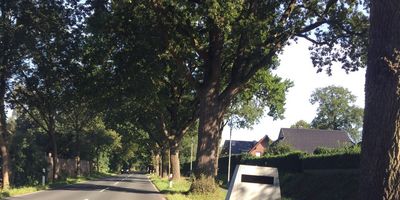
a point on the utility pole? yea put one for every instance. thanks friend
(230, 150)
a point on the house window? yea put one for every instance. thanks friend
(258, 154)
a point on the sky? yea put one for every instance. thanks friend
(296, 65)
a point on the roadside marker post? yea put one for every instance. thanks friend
(44, 176)
(170, 180)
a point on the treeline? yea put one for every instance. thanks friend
(128, 80)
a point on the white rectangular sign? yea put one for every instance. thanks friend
(254, 183)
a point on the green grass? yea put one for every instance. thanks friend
(180, 190)
(20, 190)
(29, 189)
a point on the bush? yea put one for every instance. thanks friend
(333, 161)
(290, 162)
(279, 148)
(204, 185)
(355, 149)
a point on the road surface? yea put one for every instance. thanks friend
(121, 187)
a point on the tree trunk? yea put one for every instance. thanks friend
(220, 129)
(164, 162)
(4, 135)
(54, 156)
(78, 153)
(52, 135)
(210, 117)
(157, 162)
(78, 165)
(175, 164)
(380, 161)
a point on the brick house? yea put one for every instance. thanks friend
(238, 147)
(260, 147)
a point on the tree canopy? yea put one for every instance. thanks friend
(336, 111)
(301, 124)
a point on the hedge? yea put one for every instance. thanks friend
(291, 162)
(335, 161)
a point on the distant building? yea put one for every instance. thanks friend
(238, 147)
(308, 140)
(260, 147)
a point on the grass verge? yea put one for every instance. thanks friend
(29, 189)
(180, 190)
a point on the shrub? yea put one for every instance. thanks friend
(355, 149)
(290, 162)
(332, 161)
(279, 148)
(204, 185)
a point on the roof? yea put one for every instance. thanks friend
(238, 146)
(259, 142)
(308, 140)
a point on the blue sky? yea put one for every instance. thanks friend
(295, 64)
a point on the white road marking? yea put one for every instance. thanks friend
(86, 199)
(104, 189)
(116, 183)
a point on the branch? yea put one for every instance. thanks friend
(287, 12)
(313, 26)
(29, 112)
(312, 40)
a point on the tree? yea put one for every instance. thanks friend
(52, 44)
(380, 156)
(146, 81)
(27, 149)
(11, 43)
(279, 148)
(336, 111)
(301, 124)
(222, 46)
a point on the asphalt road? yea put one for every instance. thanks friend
(121, 187)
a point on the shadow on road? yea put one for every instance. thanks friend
(91, 187)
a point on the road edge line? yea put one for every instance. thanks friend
(148, 177)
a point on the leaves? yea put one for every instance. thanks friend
(336, 111)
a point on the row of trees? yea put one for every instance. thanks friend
(47, 80)
(153, 67)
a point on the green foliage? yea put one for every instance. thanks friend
(279, 148)
(347, 157)
(301, 124)
(355, 149)
(290, 162)
(332, 161)
(186, 143)
(323, 185)
(27, 152)
(336, 111)
(263, 90)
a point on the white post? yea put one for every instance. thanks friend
(44, 176)
(230, 151)
(170, 180)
